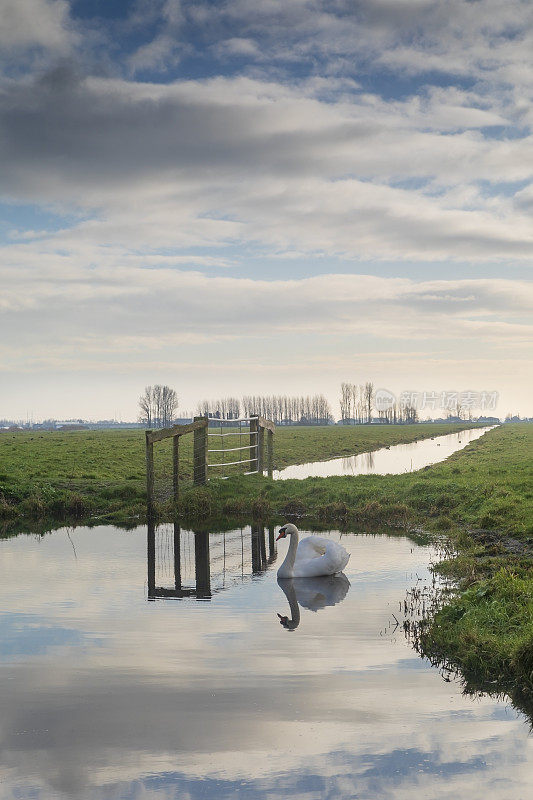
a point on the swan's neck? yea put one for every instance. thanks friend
(285, 571)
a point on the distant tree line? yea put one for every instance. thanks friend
(225, 408)
(308, 410)
(157, 406)
(281, 409)
(357, 401)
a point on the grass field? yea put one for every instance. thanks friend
(485, 485)
(77, 473)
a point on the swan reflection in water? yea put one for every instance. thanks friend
(311, 593)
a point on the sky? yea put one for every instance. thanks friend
(250, 197)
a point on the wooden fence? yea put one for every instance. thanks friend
(259, 429)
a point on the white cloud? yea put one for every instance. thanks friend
(112, 310)
(36, 23)
(213, 161)
(127, 324)
(366, 158)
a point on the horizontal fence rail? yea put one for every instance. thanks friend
(231, 449)
(234, 433)
(231, 463)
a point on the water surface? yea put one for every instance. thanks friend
(107, 693)
(391, 460)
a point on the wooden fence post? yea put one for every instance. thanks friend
(270, 453)
(260, 449)
(254, 443)
(200, 453)
(175, 466)
(149, 472)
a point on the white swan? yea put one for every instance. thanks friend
(312, 557)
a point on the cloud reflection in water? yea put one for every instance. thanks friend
(202, 700)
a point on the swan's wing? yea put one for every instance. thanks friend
(337, 556)
(333, 560)
(311, 547)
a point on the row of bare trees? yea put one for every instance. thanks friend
(399, 414)
(281, 409)
(357, 401)
(224, 408)
(157, 406)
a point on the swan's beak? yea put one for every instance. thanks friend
(281, 535)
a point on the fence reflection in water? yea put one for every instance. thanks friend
(185, 563)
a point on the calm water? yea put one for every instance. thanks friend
(391, 460)
(106, 693)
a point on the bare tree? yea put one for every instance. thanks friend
(168, 405)
(369, 397)
(156, 398)
(346, 401)
(146, 407)
(410, 414)
(157, 406)
(353, 402)
(359, 402)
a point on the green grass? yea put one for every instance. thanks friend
(485, 485)
(485, 634)
(78, 473)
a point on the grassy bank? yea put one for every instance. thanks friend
(485, 633)
(485, 485)
(81, 473)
